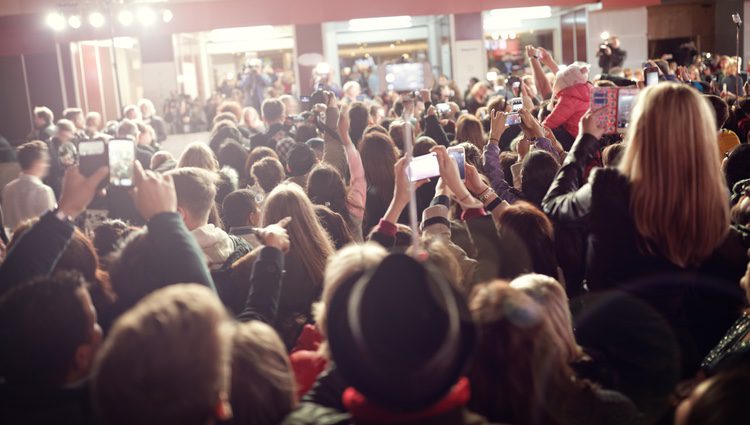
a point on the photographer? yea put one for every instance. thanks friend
(254, 83)
(610, 55)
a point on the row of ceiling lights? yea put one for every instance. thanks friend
(145, 16)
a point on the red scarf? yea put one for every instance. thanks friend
(360, 408)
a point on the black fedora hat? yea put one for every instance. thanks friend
(401, 335)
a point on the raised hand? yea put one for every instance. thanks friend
(531, 52)
(449, 173)
(276, 235)
(344, 125)
(78, 190)
(153, 193)
(529, 125)
(590, 123)
(473, 182)
(426, 95)
(497, 125)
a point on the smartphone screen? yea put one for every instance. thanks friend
(443, 108)
(516, 104)
(625, 102)
(652, 78)
(514, 118)
(91, 156)
(458, 154)
(423, 167)
(121, 159)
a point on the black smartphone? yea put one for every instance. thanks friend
(92, 155)
(121, 154)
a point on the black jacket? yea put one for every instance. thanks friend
(269, 138)
(70, 406)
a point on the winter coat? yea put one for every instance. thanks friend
(572, 104)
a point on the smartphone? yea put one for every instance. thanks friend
(121, 162)
(625, 102)
(423, 167)
(458, 154)
(516, 86)
(516, 104)
(514, 118)
(724, 88)
(652, 74)
(443, 108)
(539, 53)
(91, 156)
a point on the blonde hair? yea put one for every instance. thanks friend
(550, 295)
(349, 262)
(199, 155)
(678, 196)
(310, 243)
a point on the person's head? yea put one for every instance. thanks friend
(232, 154)
(347, 265)
(263, 386)
(529, 235)
(223, 119)
(397, 133)
(196, 191)
(166, 361)
(43, 117)
(240, 209)
(109, 236)
(291, 106)
(719, 400)
(469, 129)
(33, 157)
(305, 132)
(66, 130)
(377, 113)
(308, 240)
(199, 155)
(612, 154)
(162, 158)
(479, 90)
(273, 111)
(570, 76)
(301, 160)
(254, 156)
(147, 108)
(444, 259)
(677, 192)
(537, 172)
(268, 173)
(731, 68)
(351, 90)
(614, 41)
(737, 165)
(334, 225)
(359, 118)
(146, 134)
(473, 155)
(75, 115)
(400, 346)
(231, 107)
(423, 146)
(721, 109)
(326, 187)
(250, 118)
(507, 159)
(94, 121)
(131, 112)
(50, 334)
(379, 155)
(318, 146)
(127, 129)
(551, 296)
(520, 359)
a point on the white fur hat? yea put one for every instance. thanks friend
(568, 76)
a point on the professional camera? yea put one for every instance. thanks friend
(604, 46)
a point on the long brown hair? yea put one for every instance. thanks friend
(379, 155)
(678, 195)
(309, 242)
(469, 129)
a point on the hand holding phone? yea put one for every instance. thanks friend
(121, 162)
(458, 154)
(92, 155)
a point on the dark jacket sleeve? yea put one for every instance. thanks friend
(568, 198)
(180, 257)
(36, 252)
(434, 130)
(265, 287)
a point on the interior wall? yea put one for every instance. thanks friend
(15, 121)
(725, 30)
(629, 25)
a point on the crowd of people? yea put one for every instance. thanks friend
(287, 271)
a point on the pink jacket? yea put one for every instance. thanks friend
(572, 104)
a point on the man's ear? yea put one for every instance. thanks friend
(223, 408)
(181, 211)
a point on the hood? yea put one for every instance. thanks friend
(215, 243)
(580, 92)
(570, 76)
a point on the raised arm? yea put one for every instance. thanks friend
(37, 252)
(540, 80)
(491, 159)
(333, 151)
(357, 194)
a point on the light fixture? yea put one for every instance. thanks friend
(125, 17)
(604, 35)
(74, 21)
(96, 19)
(373, 24)
(146, 16)
(166, 16)
(521, 13)
(56, 21)
(323, 68)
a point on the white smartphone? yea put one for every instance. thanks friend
(121, 162)
(423, 167)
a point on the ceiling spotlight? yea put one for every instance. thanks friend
(166, 16)
(604, 35)
(146, 16)
(74, 21)
(96, 19)
(125, 17)
(56, 21)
